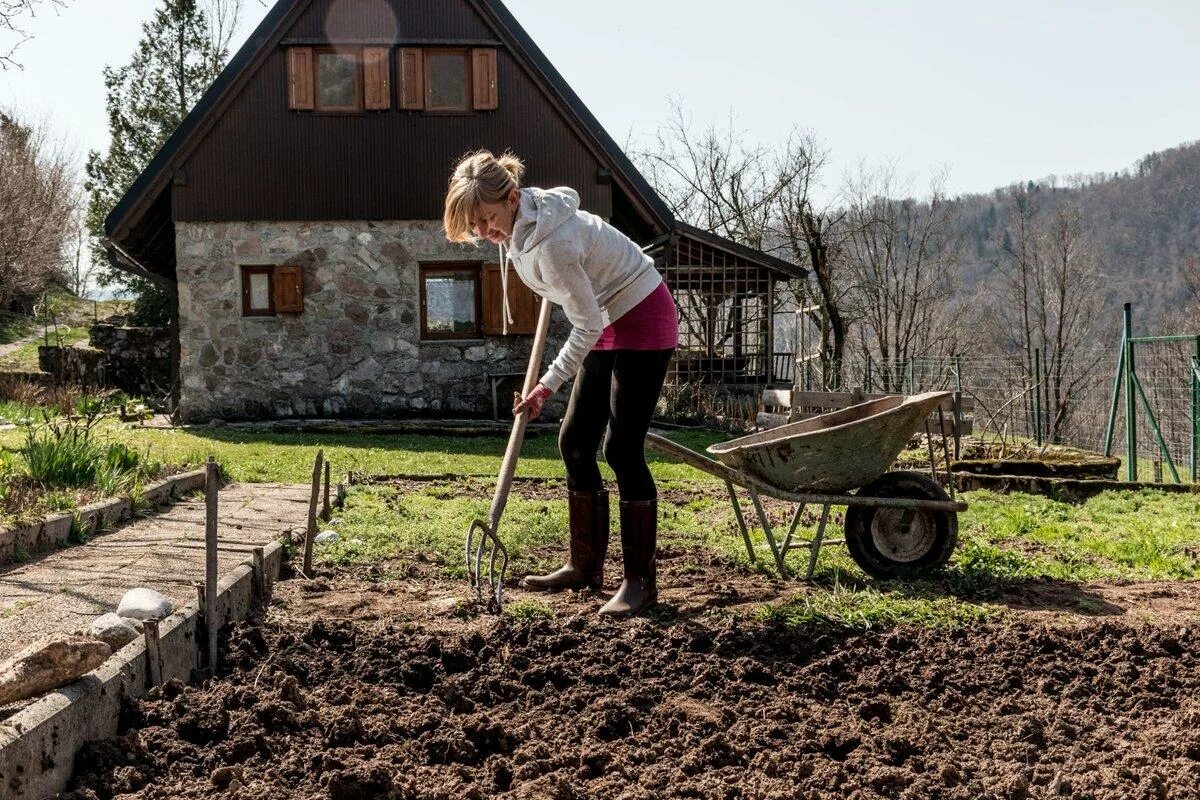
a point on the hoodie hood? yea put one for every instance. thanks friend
(541, 212)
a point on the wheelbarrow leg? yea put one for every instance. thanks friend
(787, 542)
(766, 526)
(815, 547)
(741, 520)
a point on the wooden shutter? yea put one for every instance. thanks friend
(483, 79)
(522, 302)
(410, 69)
(377, 94)
(289, 290)
(300, 78)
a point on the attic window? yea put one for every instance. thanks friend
(337, 81)
(340, 80)
(447, 80)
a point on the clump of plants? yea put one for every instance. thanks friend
(63, 453)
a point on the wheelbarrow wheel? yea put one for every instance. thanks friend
(895, 542)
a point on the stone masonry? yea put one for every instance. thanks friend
(355, 351)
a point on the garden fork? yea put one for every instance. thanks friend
(487, 558)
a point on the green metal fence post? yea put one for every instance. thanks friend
(1196, 413)
(1130, 401)
(869, 378)
(1037, 395)
(958, 373)
(912, 385)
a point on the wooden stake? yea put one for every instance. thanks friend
(310, 532)
(260, 574)
(153, 652)
(211, 623)
(326, 511)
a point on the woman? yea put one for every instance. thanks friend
(624, 329)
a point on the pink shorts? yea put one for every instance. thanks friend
(652, 324)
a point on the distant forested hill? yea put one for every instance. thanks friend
(1145, 223)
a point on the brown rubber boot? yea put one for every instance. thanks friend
(587, 515)
(639, 529)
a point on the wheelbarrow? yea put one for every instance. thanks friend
(896, 522)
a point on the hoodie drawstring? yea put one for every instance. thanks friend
(506, 317)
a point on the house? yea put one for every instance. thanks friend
(295, 215)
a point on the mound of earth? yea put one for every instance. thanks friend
(395, 706)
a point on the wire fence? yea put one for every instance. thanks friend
(1067, 401)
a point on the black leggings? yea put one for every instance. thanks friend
(615, 390)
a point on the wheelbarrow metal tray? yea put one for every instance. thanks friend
(831, 453)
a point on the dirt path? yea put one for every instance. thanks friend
(370, 684)
(66, 589)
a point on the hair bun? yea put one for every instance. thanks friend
(513, 165)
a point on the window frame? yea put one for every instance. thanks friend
(468, 78)
(433, 267)
(359, 101)
(258, 269)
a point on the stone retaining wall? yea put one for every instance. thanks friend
(355, 351)
(135, 360)
(38, 744)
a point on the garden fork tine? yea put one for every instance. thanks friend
(480, 541)
(483, 537)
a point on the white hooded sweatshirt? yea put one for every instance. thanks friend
(578, 261)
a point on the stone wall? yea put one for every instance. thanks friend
(355, 351)
(72, 364)
(137, 360)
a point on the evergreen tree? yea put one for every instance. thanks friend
(176, 60)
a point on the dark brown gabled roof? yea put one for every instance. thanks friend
(141, 223)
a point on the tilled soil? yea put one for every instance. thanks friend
(399, 705)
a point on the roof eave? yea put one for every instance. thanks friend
(742, 251)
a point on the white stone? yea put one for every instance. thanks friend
(114, 631)
(143, 603)
(327, 537)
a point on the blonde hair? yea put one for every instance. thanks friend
(480, 177)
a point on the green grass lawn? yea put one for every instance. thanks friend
(14, 327)
(1005, 541)
(288, 457)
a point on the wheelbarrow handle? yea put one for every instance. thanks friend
(508, 467)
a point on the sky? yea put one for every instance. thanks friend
(990, 93)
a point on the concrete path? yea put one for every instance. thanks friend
(66, 589)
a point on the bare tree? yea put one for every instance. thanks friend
(713, 180)
(1191, 280)
(11, 14)
(1049, 301)
(902, 256)
(80, 266)
(814, 237)
(38, 198)
(223, 17)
